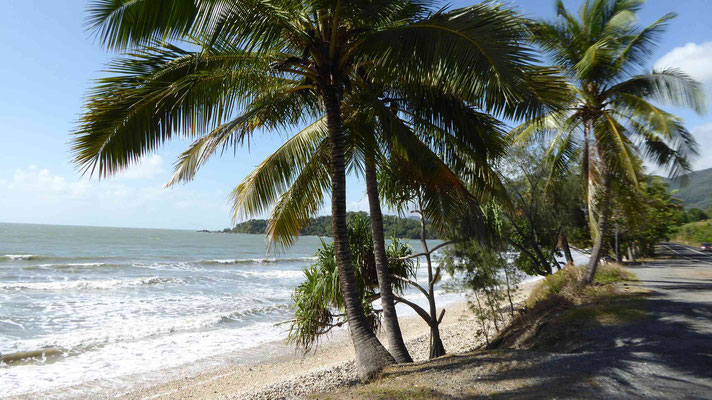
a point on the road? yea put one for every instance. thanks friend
(670, 355)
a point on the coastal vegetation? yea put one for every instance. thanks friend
(413, 100)
(393, 226)
(694, 233)
(518, 361)
(318, 302)
(612, 122)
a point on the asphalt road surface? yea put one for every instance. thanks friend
(670, 355)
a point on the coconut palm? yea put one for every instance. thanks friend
(274, 64)
(613, 118)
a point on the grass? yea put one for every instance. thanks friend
(379, 391)
(694, 233)
(614, 313)
(611, 273)
(566, 283)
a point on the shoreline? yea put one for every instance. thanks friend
(278, 370)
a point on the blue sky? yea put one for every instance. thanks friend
(49, 60)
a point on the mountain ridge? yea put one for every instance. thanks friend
(694, 189)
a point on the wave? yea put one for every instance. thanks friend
(35, 257)
(20, 257)
(257, 260)
(85, 284)
(83, 340)
(274, 274)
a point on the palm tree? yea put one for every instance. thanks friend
(612, 117)
(270, 65)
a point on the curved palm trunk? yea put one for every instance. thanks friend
(390, 318)
(371, 356)
(599, 244)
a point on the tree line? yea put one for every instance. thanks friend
(393, 226)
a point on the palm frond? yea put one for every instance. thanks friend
(261, 189)
(669, 86)
(159, 93)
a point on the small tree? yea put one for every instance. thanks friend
(545, 210)
(695, 214)
(646, 218)
(488, 276)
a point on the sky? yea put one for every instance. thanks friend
(49, 60)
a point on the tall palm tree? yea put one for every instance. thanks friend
(612, 117)
(275, 64)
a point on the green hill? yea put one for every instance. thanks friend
(696, 191)
(321, 226)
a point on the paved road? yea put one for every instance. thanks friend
(670, 355)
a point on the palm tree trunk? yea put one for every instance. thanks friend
(600, 241)
(390, 317)
(371, 356)
(564, 244)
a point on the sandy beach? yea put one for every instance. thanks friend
(292, 374)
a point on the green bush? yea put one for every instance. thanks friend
(694, 233)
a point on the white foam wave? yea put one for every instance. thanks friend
(23, 257)
(257, 260)
(69, 265)
(85, 284)
(123, 363)
(274, 274)
(121, 331)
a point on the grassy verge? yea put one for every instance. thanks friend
(694, 233)
(560, 309)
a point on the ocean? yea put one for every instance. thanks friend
(104, 304)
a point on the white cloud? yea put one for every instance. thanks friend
(703, 135)
(148, 168)
(692, 58)
(35, 194)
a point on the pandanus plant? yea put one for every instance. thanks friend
(265, 65)
(612, 120)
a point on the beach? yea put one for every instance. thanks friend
(92, 312)
(293, 374)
